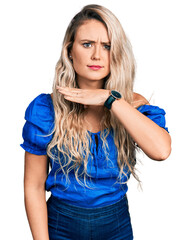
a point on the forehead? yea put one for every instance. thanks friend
(92, 30)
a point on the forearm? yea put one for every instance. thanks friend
(151, 138)
(36, 209)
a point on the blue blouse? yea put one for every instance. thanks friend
(103, 189)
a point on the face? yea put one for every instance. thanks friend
(91, 52)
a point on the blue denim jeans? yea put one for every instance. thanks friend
(67, 221)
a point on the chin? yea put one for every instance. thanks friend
(97, 77)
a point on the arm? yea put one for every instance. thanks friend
(34, 192)
(152, 139)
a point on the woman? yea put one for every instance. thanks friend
(88, 129)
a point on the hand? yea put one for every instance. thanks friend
(85, 96)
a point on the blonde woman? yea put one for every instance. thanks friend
(88, 129)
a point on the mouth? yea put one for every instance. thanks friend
(95, 67)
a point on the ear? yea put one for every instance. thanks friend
(70, 53)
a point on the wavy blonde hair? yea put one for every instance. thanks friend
(70, 145)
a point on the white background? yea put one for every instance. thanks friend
(31, 39)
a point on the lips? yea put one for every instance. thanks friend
(95, 67)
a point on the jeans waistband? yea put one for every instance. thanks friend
(62, 206)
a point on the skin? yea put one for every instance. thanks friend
(151, 138)
(35, 175)
(91, 48)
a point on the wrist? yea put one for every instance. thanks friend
(117, 104)
(114, 95)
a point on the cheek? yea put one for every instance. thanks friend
(108, 64)
(78, 60)
(107, 59)
(77, 63)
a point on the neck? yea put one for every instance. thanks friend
(90, 84)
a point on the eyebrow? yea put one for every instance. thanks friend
(91, 41)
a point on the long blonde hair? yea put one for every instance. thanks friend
(71, 143)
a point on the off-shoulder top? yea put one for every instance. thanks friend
(104, 190)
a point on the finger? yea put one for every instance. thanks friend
(70, 94)
(73, 99)
(67, 89)
(71, 90)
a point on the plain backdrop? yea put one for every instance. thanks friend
(30, 45)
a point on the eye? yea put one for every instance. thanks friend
(107, 47)
(87, 45)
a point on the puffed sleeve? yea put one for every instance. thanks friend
(155, 113)
(39, 124)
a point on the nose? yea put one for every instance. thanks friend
(96, 54)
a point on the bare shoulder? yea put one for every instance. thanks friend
(139, 100)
